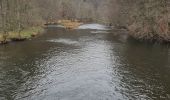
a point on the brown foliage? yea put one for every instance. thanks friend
(148, 20)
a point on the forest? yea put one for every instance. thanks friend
(144, 19)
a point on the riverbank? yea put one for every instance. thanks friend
(70, 24)
(65, 23)
(24, 35)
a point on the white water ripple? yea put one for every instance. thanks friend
(94, 26)
(64, 41)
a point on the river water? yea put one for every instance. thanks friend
(84, 65)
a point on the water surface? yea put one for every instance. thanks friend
(84, 65)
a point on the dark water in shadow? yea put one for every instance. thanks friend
(80, 65)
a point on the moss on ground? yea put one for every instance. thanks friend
(1, 37)
(25, 34)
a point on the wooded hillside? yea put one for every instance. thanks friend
(145, 19)
(19, 14)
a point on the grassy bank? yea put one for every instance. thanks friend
(70, 24)
(24, 35)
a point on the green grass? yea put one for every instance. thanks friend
(1, 37)
(27, 33)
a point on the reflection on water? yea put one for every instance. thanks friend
(80, 65)
(99, 32)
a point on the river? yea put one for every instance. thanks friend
(84, 65)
